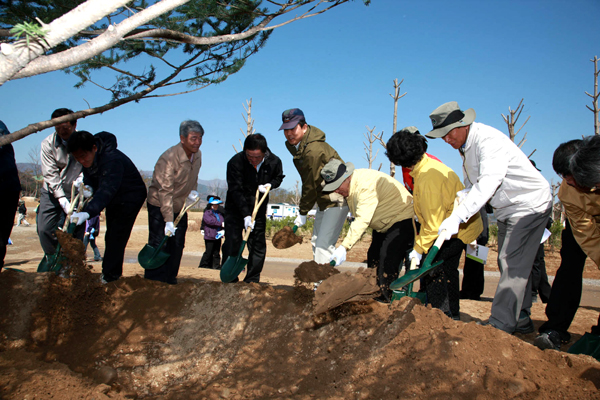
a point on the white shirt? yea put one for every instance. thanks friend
(497, 170)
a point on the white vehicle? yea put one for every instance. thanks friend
(280, 210)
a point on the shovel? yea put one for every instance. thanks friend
(235, 265)
(52, 262)
(152, 258)
(415, 273)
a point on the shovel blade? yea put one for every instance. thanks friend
(50, 262)
(232, 268)
(150, 258)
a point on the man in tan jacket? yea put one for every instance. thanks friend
(380, 202)
(175, 178)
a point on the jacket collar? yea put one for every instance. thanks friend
(419, 166)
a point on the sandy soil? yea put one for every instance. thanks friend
(75, 338)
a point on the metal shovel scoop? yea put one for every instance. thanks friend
(152, 258)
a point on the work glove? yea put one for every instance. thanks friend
(462, 194)
(193, 195)
(87, 191)
(473, 244)
(220, 234)
(202, 232)
(79, 218)
(450, 225)
(263, 188)
(248, 223)
(64, 203)
(339, 255)
(300, 220)
(170, 229)
(79, 181)
(415, 254)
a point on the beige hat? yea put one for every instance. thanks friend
(447, 117)
(334, 173)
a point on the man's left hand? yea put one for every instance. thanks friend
(263, 188)
(339, 255)
(79, 218)
(193, 195)
(450, 225)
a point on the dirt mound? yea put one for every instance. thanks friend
(310, 272)
(204, 339)
(285, 238)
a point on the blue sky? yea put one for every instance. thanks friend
(339, 68)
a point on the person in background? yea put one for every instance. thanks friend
(22, 218)
(254, 168)
(310, 153)
(580, 239)
(92, 230)
(381, 203)
(175, 179)
(117, 187)
(213, 222)
(434, 194)
(10, 186)
(59, 169)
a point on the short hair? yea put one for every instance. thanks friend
(59, 112)
(562, 156)
(188, 126)
(406, 148)
(81, 140)
(255, 142)
(585, 163)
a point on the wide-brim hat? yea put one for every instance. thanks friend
(447, 117)
(291, 118)
(334, 173)
(212, 201)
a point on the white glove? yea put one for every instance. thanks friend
(87, 191)
(473, 244)
(248, 223)
(193, 195)
(220, 234)
(450, 225)
(79, 218)
(462, 194)
(339, 255)
(202, 232)
(263, 188)
(300, 220)
(170, 229)
(65, 204)
(415, 254)
(79, 181)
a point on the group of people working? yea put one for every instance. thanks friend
(405, 219)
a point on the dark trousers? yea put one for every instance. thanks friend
(9, 201)
(120, 218)
(174, 245)
(473, 279)
(92, 242)
(539, 277)
(387, 252)
(257, 244)
(51, 217)
(442, 284)
(566, 289)
(211, 258)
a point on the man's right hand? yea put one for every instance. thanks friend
(64, 203)
(248, 223)
(170, 229)
(300, 220)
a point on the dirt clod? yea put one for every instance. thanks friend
(285, 238)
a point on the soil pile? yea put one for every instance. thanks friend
(75, 338)
(285, 238)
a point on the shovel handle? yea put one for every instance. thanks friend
(257, 205)
(440, 240)
(184, 210)
(413, 264)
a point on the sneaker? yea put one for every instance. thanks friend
(548, 340)
(102, 280)
(525, 326)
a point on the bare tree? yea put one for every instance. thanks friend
(369, 148)
(594, 97)
(296, 194)
(36, 168)
(396, 97)
(511, 121)
(249, 123)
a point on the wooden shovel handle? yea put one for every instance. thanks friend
(184, 210)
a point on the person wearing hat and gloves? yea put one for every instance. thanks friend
(213, 222)
(435, 188)
(496, 170)
(310, 153)
(254, 168)
(174, 180)
(118, 187)
(380, 202)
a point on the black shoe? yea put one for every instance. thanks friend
(548, 340)
(525, 326)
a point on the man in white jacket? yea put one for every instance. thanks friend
(496, 170)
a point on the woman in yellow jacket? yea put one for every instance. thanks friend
(434, 193)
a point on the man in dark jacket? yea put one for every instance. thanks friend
(10, 186)
(117, 186)
(253, 168)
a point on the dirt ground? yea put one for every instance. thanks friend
(77, 339)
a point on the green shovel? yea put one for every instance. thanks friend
(152, 258)
(235, 265)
